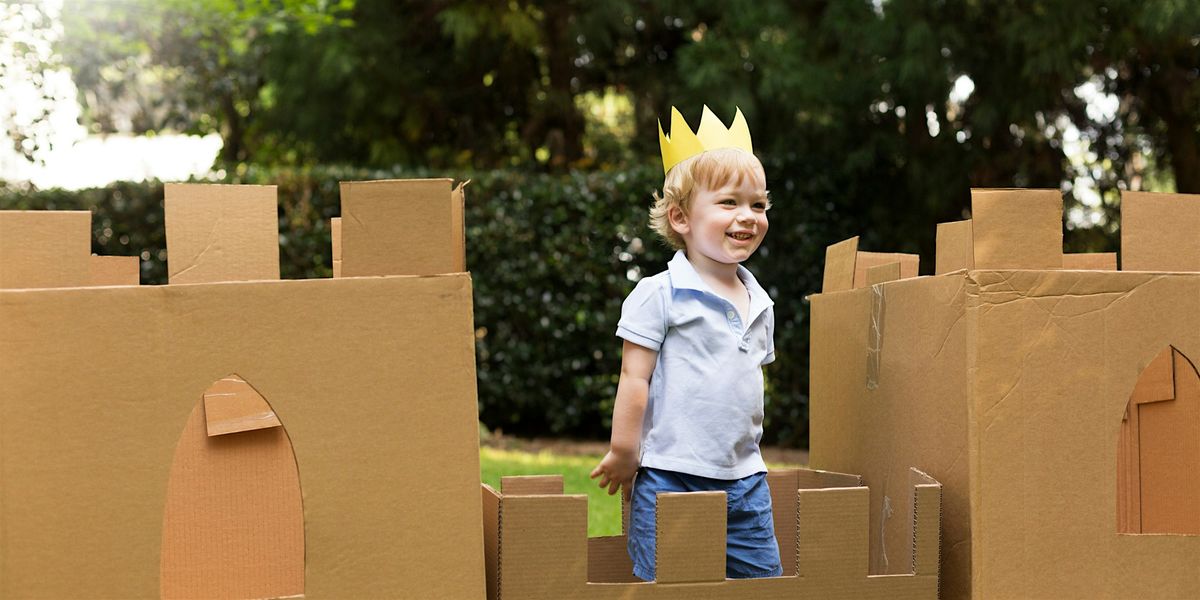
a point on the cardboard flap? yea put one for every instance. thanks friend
(114, 270)
(543, 546)
(221, 232)
(335, 235)
(690, 537)
(1090, 261)
(608, 560)
(927, 518)
(231, 405)
(1158, 232)
(531, 485)
(1157, 381)
(909, 265)
(883, 273)
(1017, 228)
(839, 266)
(458, 229)
(400, 227)
(833, 533)
(45, 248)
(955, 249)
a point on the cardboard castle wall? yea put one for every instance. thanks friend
(537, 546)
(1009, 381)
(115, 402)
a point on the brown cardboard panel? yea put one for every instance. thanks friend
(543, 546)
(45, 248)
(839, 265)
(883, 273)
(1091, 261)
(1158, 232)
(955, 250)
(114, 270)
(535, 557)
(399, 227)
(608, 560)
(833, 533)
(491, 537)
(783, 484)
(1057, 357)
(335, 233)
(690, 537)
(531, 485)
(231, 405)
(221, 232)
(1017, 228)
(458, 226)
(909, 265)
(915, 416)
(233, 525)
(357, 408)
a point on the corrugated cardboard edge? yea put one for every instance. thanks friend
(839, 265)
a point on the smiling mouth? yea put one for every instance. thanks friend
(743, 236)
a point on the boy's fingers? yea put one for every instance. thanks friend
(595, 472)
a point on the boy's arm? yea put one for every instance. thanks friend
(619, 466)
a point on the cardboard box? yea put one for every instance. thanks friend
(1019, 386)
(538, 549)
(238, 436)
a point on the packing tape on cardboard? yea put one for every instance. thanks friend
(875, 336)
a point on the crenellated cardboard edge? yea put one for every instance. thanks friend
(536, 544)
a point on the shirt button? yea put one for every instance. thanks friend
(730, 314)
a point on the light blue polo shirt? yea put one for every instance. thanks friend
(705, 409)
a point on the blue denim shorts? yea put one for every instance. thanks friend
(751, 549)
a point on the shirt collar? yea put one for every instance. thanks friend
(684, 276)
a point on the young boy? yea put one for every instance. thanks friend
(689, 406)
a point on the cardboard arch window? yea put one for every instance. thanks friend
(1158, 450)
(233, 522)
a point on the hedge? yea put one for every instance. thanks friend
(551, 256)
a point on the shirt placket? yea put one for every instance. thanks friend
(736, 326)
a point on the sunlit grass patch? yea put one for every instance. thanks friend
(604, 511)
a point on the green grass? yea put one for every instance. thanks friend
(604, 511)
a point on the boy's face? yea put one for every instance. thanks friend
(725, 225)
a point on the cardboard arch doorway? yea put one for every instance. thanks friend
(1158, 450)
(233, 524)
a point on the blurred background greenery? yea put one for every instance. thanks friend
(873, 118)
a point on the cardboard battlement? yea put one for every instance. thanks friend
(537, 545)
(1054, 397)
(234, 435)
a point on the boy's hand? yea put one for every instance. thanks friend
(616, 470)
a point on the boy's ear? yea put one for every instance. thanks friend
(678, 220)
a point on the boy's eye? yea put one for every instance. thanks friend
(760, 206)
(729, 202)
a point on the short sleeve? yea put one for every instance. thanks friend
(644, 315)
(770, 322)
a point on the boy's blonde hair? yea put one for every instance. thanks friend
(712, 170)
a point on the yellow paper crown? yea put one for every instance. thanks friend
(682, 144)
